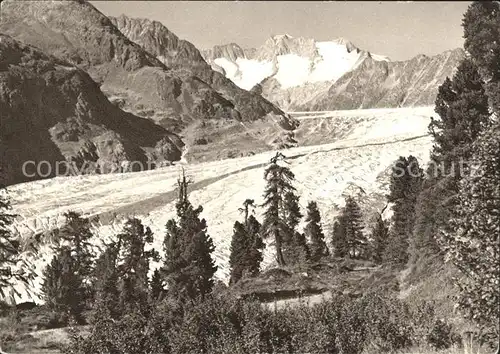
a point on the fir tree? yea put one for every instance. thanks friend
(156, 286)
(255, 256)
(76, 234)
(295, 249)
(379, 237)
(481, 25)
(246, 246)
(353, 228)
(405, 184)
(472, 242)
(189, 267)
(314, 231)
(106, 295)
(462, 106)
(134, 264)
(9, 246)
(239, 251)
(62, 287)
(279, 183)
(339, 241)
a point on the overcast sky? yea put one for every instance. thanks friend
(399, 30)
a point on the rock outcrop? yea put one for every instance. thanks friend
(54, 116)
(146, 83)
(301, 74)
(185, 59)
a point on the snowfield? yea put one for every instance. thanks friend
(331, 60)
(357, 162)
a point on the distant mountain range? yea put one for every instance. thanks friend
(78, 86)
(301, 74)
(84, 78)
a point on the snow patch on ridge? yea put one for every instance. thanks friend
(333, 59)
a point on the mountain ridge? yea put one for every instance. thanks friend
(84, 132)
(165, 93)
(145, 85)
(305, 74)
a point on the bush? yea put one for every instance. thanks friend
(341, 325)
(442, 336)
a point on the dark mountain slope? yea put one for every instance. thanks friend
(185, 59)
(53, 111)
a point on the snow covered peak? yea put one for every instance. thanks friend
(230, 51)
(292, 61)
(346, 43)
(278, 37)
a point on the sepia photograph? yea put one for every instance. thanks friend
(249, 177)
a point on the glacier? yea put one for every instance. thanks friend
(341, 152)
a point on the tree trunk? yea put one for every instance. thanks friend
(279, 253)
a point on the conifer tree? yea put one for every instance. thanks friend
(106, 294)
(255, 255)
(9, 246)
(353, 228)
(239, 251)
(314, 231)
(62, 287)
(481, 25)
(156, 286)
(472, 242)
(405, 184)
(339, 241)
(133, 265)
(462, 106)
(379, 237)
(279, 183)
(246, 246)
(70, 272)
(189, 267)
(295, 249)
(76, 234)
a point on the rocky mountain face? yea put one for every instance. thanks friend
(304, 74)
(186, 60)
(161, 78)
(378, 84)
(128, 74)
(53, 111)
(290, 61)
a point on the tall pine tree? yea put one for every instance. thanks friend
(379, 236)
(76, 234)
(279, 183)
(246, 246)
(472, 243)
(62, 287)
(339, 241)
(189, 267)
(405, 184)
(353, 228)
(481, 25)
(106, 294)
(239, 252)
(314, 230)
(156, 286)
(133, 265)
(462, 106)
(295, 249)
